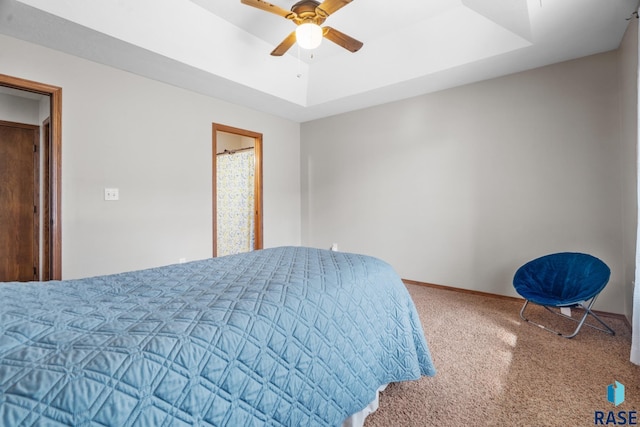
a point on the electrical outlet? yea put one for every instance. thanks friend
(111, 194)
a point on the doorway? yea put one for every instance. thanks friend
(237, 190)
(50, 185)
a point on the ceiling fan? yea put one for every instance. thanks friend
(308, 15)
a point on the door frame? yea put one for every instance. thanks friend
(45, 209)
(257, 150)
(55, 185)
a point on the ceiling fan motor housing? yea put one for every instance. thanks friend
(307, 11)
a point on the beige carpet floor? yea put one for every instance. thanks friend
(496, 370)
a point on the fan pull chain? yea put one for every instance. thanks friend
(299, 63)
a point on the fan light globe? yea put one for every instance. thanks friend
(309, 35)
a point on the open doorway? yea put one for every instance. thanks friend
(49, 186)
(237, 190)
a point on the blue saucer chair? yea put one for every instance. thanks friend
(565, 279)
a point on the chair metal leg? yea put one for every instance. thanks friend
(582, 321)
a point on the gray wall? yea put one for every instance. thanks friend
(458, 187)
(153, 142)
(19, 110)
(461, 187)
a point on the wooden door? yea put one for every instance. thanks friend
(19, 249)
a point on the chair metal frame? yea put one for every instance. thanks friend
(581, 321)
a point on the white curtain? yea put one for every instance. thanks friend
(235, 202)
(635, 336)
(635, 322)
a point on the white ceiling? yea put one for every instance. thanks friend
(411, 47)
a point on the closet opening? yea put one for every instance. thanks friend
(237, 190)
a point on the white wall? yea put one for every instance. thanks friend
(153, 142)
(232, 141)
(19, 110)
(461, 187)
(458, 187)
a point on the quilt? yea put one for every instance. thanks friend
(287, 336)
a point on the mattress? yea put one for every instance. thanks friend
(286, 336)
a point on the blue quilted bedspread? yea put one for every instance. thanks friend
(286, 336)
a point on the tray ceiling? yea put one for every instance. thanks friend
(221, 47)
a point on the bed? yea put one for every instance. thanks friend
(287, 336)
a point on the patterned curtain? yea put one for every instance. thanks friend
(235, 206)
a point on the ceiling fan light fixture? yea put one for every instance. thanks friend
(308, 35)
